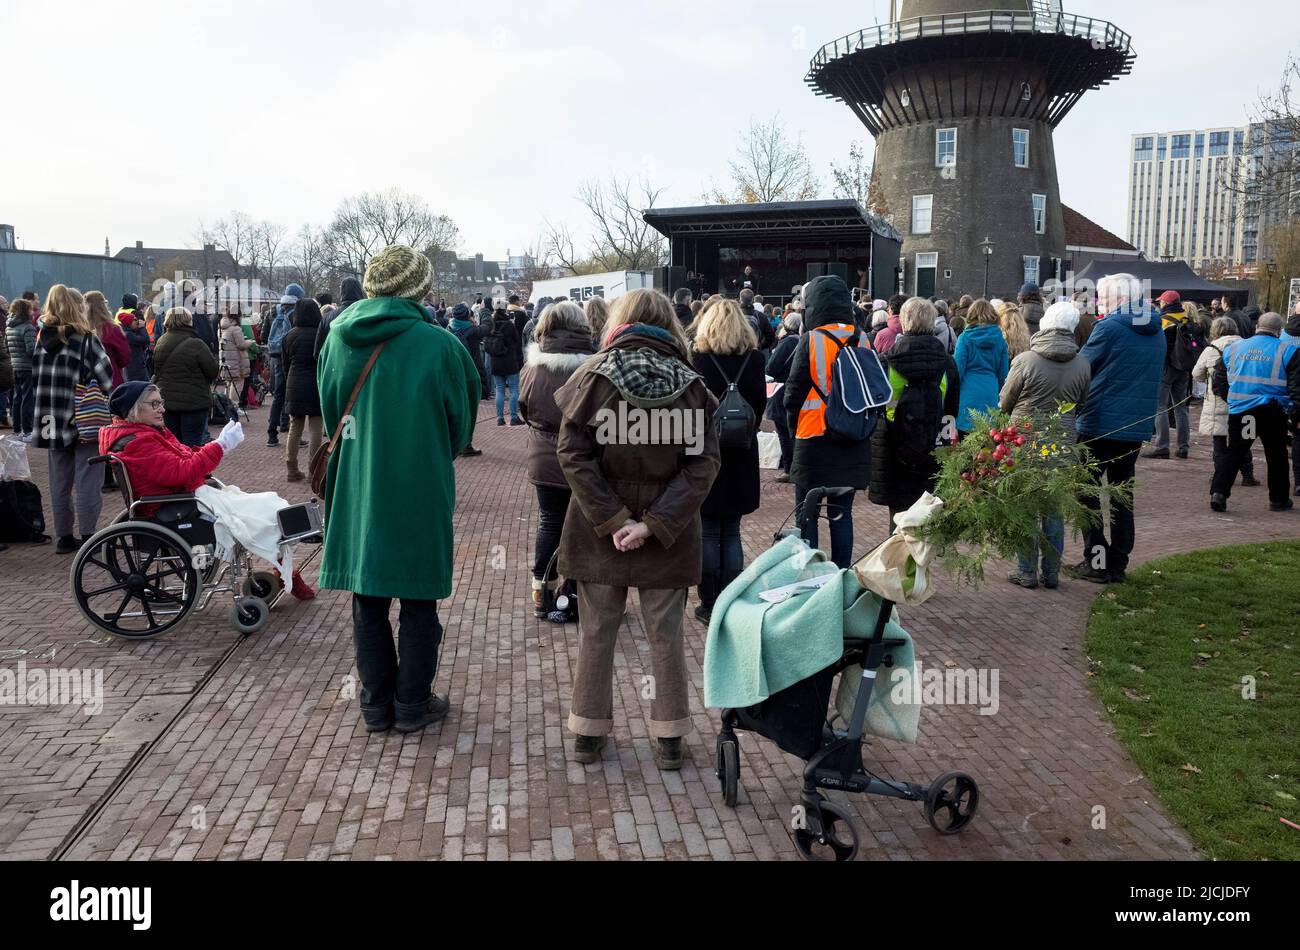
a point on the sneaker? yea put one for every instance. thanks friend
(378, 720)
(668, 755)
(1218, 503)
(436, 712)
(1184, 455)
(587, 749)
(272, 442)
(1020, 579)
(516, 423)
(704, 615)
(29, 438)
(1156, 454)
(1250, 481)
(1051, 583)
(68, 545)
(1287, 506)
(1086, 572)
(501, 423)
(471, 453)
(296, 476)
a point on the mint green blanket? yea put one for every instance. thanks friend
(757, 649)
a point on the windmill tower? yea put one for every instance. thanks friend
(962, 102)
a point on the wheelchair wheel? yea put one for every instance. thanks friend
(264, 585)
(135, 580)
(839, 841)
(729, 769)
(952, 803)
(250, 615)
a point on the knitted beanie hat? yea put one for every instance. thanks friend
(399, 271)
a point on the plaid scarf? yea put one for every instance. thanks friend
(646, 378)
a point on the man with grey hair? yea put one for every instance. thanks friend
(1260, 380)
(1127, 354)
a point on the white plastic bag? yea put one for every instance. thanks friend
(769, 451)
(899, 570)
(13, 460)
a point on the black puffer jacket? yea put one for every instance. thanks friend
(822, 462)
(919, 360)
(512, 361)
(184, 368)
(352, 293)
(301, 394)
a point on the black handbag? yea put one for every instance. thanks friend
(22, 517)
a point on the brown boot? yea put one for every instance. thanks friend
(295, 475)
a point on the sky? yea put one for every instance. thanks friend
(136, 121)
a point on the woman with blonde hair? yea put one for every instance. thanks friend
(638, 451)
(68, 354)
(110, 334)
(1014, 329)
(597, 311)
(726, 355)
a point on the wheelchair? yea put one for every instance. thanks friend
(158, 564)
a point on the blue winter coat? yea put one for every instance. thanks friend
(983, 362)
(1127, 355)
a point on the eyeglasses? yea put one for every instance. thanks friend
(155, 404)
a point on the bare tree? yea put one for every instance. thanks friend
(770, 166)
(235, 234)
(367, 223)
(269, 239)
(620, 237)
(306, 259)
(853, 178)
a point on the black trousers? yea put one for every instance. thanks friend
(395, 679)
(1118, 461)
(553, 507)
(1270, 425)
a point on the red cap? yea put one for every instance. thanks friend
(1170, 296)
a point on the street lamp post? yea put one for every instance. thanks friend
(987, 246)
(1272, 269)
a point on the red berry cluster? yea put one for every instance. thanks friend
(1002, 459)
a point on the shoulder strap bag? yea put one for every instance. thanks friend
(320, 462)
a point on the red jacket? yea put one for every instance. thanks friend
(119, 351)
(155, 460)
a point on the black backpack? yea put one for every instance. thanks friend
(860, 391)
(22, 518)
(917, 423)
(734, 421)
(496, 345)
(1188, 347)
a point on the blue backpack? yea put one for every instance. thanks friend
(860, 392)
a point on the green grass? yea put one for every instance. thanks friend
(1169, 652)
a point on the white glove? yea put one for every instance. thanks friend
(232, 436)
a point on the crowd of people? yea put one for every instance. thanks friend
(617, 511)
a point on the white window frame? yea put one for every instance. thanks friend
(938, 158)
(929, 221)
(1025, 164)
(1031, 275)
(919, 266)
(1040, 216)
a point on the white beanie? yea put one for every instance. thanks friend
(1060, 316)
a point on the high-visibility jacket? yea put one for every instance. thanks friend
(822, 353)
(1257, 372)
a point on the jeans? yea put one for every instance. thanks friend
(190, 428)
(1270, 428)
(395, 681)
(76, 490)
(1054, 532)
(840, 512)
(722, 551)
(511, 383)
(1118, 461)
(1173, 392)
(553, 506)
(279, 421)
(24, 404)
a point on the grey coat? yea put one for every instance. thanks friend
(1050, 373)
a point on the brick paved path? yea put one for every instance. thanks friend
(266, 759)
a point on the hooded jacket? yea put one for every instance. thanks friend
(1051, 373)
(983, 362)
(138, 340)
(351, 293)
(6, 367)
(551, 363)
(298, 351)
(118, 349)
(235, 347)
(57, 368)
(20, 335)
(886, 337)
(822, 462)
(619, 476)
(282, 322)
(1127, 354)
(1214, 414)
(391, 489)
(945, 334)
(503, 325)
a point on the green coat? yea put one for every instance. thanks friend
(392, 480)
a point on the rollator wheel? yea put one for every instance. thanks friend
(729, 771)
(135, 580)
(264, 585)
(839, 841)
(952, 803)
(250, 615)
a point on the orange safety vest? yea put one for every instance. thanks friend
(822, 354)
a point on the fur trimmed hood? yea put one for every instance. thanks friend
(565, 363)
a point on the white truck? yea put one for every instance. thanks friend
(580, 289)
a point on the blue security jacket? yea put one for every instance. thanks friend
(1127, 354)
(983, 362)
(1258, 372)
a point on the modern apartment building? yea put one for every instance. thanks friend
(1185, 195)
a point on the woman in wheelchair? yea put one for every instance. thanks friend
(157, 464)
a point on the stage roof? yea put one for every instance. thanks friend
(842, 219)
(1173, 275)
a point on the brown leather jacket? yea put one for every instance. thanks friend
(615, 481)
(549, 366)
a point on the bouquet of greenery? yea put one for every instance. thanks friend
(1001, 481)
